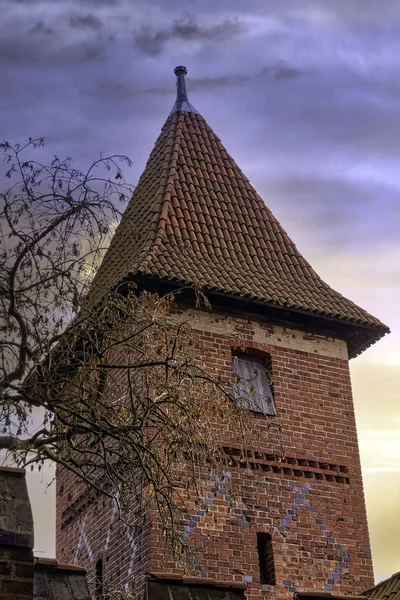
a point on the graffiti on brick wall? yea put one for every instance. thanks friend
(84, 544)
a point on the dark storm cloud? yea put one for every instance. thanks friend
(337, 210)
(32, 52)
(53, 42)
(63, 3)
(40, 28)
(337, 13)
(152, 42)
(190, 30)
(272, 72)
(314, 84)
(126, 90)
(86, 22)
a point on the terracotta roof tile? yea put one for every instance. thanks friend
(233, 243)
(389, 589)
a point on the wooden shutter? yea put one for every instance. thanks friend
(242, 387)
(252, 390)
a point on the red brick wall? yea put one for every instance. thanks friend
(89, 528)
(311, 502)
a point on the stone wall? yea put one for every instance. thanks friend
(22, 577)
(16, 537)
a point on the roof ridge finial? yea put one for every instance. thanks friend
(180, 73)
(182, 102)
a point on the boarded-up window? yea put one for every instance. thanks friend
(252, 387)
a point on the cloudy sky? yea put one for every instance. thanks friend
(304, 95)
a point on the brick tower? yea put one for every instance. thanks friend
(299, 519)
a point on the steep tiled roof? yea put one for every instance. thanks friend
(196, 219)
(385, 590)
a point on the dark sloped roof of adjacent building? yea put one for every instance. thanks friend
(323, 596)
(49, 579)
(54, 581)
(389, 589)
(195, 219)
(170, 586)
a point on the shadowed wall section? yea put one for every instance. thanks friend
(22, 577)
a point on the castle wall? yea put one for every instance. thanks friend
(299, 481)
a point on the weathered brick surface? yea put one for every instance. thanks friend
(21, 576)
(16, 537)
(96, 532)
(300, 480)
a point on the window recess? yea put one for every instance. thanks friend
(99, 579)
(266, 559)
(252, 388)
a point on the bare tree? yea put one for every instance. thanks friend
(54, 221)
(115, 392)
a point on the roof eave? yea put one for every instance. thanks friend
(359, 336)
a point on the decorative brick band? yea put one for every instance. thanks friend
(257, 461)
(287, 466)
